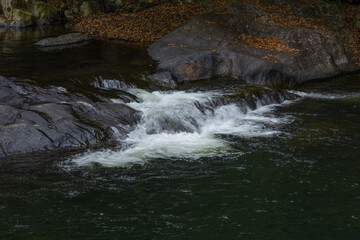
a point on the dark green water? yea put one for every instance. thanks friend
(303, 183)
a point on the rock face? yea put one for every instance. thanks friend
(34, 118)
(23, 13)
(70, 38)
(261, 42)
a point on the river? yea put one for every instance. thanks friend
(192, 168)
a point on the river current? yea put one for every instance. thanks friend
(194, 167)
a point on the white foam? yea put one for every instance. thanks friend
(180, 145)
(316, 95)
(174, 126)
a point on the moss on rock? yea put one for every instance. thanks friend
(44, 13)
(22, 18)
(86, 9)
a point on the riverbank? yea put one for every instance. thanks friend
(145, 26)
(268, 165)
(196, 159)
(149, 25)
(263, 42)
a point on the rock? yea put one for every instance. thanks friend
(59, 48)
(23, 13)
(357, 17)
(68, 15)
(36, 119)
(75, 10)
(3, 23)
(163, 79)
(85, 9)
(44, 13)
(21, 19)
(249, 97)
(63, 40)
(233, 42)
(9, 6)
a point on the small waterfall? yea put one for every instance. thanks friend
(111, 84)
(189, 125)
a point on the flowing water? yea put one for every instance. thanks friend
(198, 166)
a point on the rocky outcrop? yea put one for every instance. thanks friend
(35, 118)
(21, 13)
(66, 39)
(261, 42)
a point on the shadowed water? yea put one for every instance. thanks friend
(287, 171)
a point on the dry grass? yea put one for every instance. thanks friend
(143, 27)
(352, 40)
(282, 16)
(269, 43)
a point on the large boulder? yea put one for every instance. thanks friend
(35, 118)
(262, 42)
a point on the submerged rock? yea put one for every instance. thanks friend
(35, 118)
(275, 42)
(59, 48)
(63, 40)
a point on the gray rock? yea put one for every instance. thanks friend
(35, 119)
(59, 48)
(211, 45)
(63, 40)
(163, 79)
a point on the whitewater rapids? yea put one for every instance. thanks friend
(185, 125)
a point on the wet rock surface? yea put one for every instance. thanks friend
(163, 79)
(275, 42)
(35, 118)
(67, 39)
